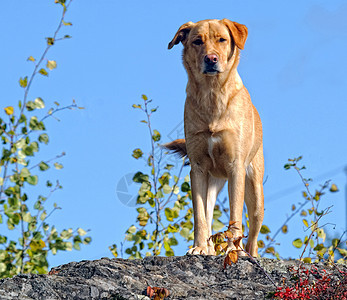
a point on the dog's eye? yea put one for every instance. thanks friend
(222, 40)
(198, 42)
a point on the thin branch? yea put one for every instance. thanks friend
(26, 91)
(313, 231)
(173, 188)
(254, 260)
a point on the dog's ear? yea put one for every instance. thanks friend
(181, 34)
(238, 31)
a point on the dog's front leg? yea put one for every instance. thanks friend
(236, 191)
(199, 181)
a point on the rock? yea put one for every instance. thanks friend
(186, 277)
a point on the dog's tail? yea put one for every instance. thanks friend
(177, 146)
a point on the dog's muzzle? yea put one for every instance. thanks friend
(211, 64)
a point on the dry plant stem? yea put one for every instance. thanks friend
(315, 226)
(297, 210)
(307, 188)
(72, 106)
(252, 258)
(155, 175)
(285, 223)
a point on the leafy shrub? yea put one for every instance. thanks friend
(23, 132)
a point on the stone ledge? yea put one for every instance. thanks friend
(186, 277)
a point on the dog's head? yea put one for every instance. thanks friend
(209, 45)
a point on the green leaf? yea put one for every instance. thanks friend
(144, 97)
(169, 253)
(217, 225)
(24, 173)
(307, 260)
(303, 213)
(51, 64)
(23, 82)
(3, 267)
(321, 233)
(87, 240)
(131, 229)
(167, 189)
(342, 251)
(39, 103)
(58, 166)
(185, 187)
(335, 242)
(334, 188)
(33, 180)
(261, 244)
(288, 166)
(43, 72)
(43, 138)
(305, 222)
(27, 217)
(284, 228)
(140, 177)
(264, 229)
(169, 214)
(81, 232)
(30, 106)
(50, 41)
(216, 213)
(34, 124)
(9, 110)
(156, 135)
(43, 166)
(297, 243)
(137, 153)
(270, 250)
(173, 228)
(77, 246)
(185, 232)
(318, 247)
(66, 23)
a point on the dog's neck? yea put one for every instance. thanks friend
(212, 94)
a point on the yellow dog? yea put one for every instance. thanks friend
(223, 130)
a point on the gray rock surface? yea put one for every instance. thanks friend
(186, 277)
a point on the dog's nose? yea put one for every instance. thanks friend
(211, 59)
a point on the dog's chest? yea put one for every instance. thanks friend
(215, 152)
(213, 144)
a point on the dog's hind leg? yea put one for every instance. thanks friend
(254, 198)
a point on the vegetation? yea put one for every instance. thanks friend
(162, 198)
(28, 239)
(164, 210)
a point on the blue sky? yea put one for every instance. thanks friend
(294, 66)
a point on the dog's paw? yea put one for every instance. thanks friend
(197, 251)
